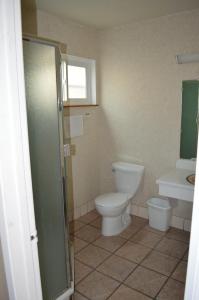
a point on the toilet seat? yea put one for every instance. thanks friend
(112, 200)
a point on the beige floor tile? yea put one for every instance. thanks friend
(125, 293)
(117, 267)
(97, 286)
(88, 233)
(75, 225)
(160, 262)
(97, 223)
(140, 222)
(173, 290)
(178, 234)
(133, 252)
(89, 217)
(92, 256)
(129, 231)
(172, 247)
(81, 271)
(110, 243)
(79, 244)
(136, 224)
(185, 257)
(180, 272)
(77, 296)
(149, 228)
(146, 238)
(146, 281)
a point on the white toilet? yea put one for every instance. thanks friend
(115, 207)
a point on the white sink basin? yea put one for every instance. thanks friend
(174, 183)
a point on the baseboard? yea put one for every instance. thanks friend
(177, 222)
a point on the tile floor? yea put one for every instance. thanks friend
(139, 264)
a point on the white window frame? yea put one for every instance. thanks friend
(90, 66)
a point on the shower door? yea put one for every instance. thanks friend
(44, 110)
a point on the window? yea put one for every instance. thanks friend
(79, 80)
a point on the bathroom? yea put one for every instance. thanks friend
(136, 119)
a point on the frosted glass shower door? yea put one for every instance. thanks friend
(42, 63)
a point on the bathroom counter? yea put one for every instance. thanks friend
(175, 185)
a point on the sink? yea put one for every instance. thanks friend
(191, 179)
(175, 183)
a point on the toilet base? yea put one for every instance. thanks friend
(115, 225)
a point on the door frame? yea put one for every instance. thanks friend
(17, 221)
(192, 278)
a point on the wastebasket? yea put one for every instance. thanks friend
(159, 213)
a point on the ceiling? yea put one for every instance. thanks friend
(108, 13)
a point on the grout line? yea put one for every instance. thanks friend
(129, 240)
(170, 277)
(181, 260)
(114, 291)
(138, 264)
(75, 253)
(95, 269)
(138, 291)
(123, 281)
(81, 295)
(113, 253)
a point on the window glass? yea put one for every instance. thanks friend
(76, 82)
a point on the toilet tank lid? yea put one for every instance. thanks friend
(112, 199)
(128, 167)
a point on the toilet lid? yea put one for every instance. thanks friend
(112, 199)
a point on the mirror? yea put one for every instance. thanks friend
(189, 119)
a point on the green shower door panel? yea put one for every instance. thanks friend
(189, 128)
(44, 141)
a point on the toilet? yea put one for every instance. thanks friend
(115, 207)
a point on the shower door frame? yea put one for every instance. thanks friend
(60, 50)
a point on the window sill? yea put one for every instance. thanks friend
(81, 105)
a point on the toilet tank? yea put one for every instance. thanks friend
(127, 177)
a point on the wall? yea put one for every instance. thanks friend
(81, 41)
(29, 16)
(141, 100)
(140, 95)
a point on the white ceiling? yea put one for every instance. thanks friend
(108, 13)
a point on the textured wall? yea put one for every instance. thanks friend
(85, 164)
(29, 16)
(141, 97)
(81, 41)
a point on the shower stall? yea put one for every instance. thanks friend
(42, 66)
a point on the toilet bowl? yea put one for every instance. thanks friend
(115, 207)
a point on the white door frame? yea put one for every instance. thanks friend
(17, 221)
(192, 280)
